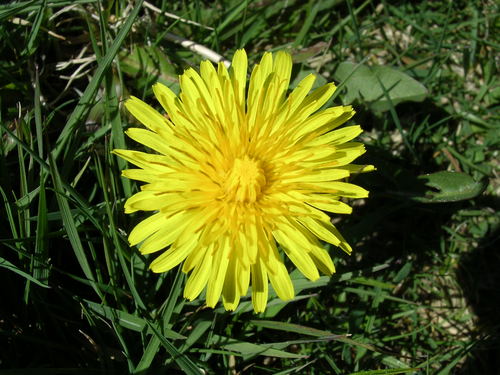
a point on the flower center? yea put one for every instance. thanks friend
(245, 180)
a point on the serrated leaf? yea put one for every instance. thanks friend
(364, 83)
(450, 187)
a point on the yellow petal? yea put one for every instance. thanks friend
(230, 290)
(238, 73)
(315, 100)
(140, 175)
(341, 189)
(259, 287)
(323, 121)
(283, 66)
(147, 115)
(149, 139)
(243, 278)
(146, 228)
(146, 201)
(218, 273)
(298, 94)
(199, 277)
(296, 248)
(279, 277)
(166, 97)
(173, 256)
(170, 231)
(319, 176)
(146, 161)
(327, 202)
(354, 168)
(322, 260)
(338, 136)
(322, 229)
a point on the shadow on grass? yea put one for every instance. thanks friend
(479, 278)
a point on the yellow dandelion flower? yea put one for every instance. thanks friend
(238, 171)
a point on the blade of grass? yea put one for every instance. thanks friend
(4, 263)
(41, 267)
(83, 205)
(170, 304)
(117, 136)
(392, 371)
(85, 103)
(40, 12)
(41, 264)
(116, 241)
(70, 227)
(181, 359)
(312, 11)
(231, 15)
(8, 10)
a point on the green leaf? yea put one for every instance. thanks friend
(320, 80)
(364, 83)
(289, 327)
(184, 362)
(127, 320)
(391, 371)
(148, 62)
(30, 46)
(450, 187)
(123, 318)
(87, 99)
(69, 225)
(4, 263)
(251, 349)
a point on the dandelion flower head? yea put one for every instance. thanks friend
(241, 176)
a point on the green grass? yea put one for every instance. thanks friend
(420, 293)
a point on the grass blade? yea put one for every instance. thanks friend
(181, 359)
(8, 265)
(70, 227)
(85, 103)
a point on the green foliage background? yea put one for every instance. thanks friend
(420, 293)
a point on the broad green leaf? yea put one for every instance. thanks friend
(148, 61)
(450, 187)
(372, 85)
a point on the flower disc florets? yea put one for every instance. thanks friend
(237, 172)
(245, 181)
